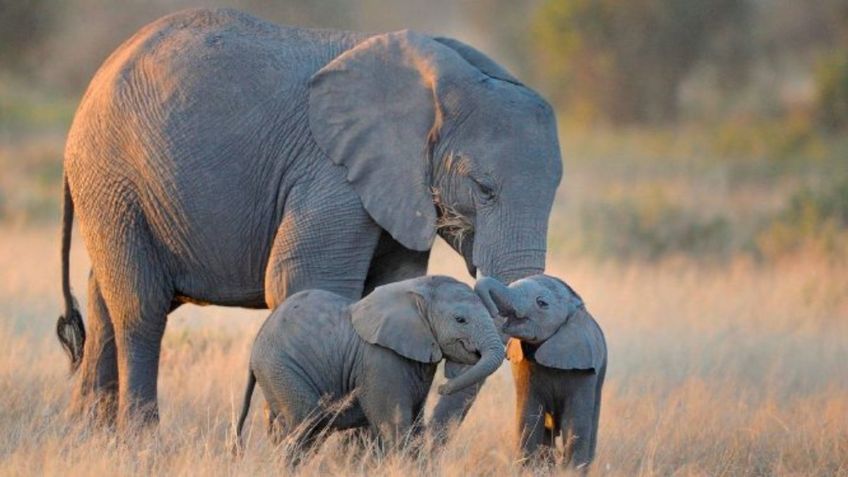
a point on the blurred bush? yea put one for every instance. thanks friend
(832, 91)
(652, 228)
(624, 61)
(787, 138)
(25, 26)
(813, 218)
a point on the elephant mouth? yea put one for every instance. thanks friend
(471, 353)
(518, 328)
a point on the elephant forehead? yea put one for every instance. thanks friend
(456, 294)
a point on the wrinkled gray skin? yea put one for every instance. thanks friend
(559, 360)
(318, 347)
(220, 159)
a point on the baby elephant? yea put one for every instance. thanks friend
(559, 358)
(381, 353)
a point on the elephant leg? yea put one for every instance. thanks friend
(596, 411)
(531, 425)
(139, 340)
(324, 241)
(396, 432)
(452, 408)
(96, 394)
(577, 422)
(138, 297)
(274, 425)
(392, 262)
(551, 431)
(391, 415)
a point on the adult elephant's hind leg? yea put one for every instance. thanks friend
(139, 339)
(138, 296)
(96, 394)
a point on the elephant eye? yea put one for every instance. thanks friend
(460, 319)
(487, 192)
(541, 303)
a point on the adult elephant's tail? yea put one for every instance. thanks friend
(69, 327)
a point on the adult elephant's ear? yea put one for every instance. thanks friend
(479, 60)
(577, 345)
(375, 110)
(394, 316)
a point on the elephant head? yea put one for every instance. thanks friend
(543, 310)
(437, 138)
(428, 318)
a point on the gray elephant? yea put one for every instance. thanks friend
(220, 159)
(318, 348)
(559, 360)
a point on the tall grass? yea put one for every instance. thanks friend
(714, 370)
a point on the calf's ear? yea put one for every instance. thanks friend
(394, 316)
(578, 345)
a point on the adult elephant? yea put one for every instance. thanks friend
(220, 159)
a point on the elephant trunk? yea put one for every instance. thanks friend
(511, 248)
(491, 356)
(497, 299)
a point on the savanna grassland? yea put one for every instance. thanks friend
(715, 262)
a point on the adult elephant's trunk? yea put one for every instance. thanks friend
(491, 356)
(511, 247)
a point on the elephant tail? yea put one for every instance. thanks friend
(245, 407)
(69, 327)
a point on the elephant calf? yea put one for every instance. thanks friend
(317, 349)
(559, 359)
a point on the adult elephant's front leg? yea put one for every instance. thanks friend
(393, 262)
(325, 241)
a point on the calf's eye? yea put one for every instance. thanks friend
(460, 319)
(541, 303)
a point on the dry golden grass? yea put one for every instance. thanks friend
(739, 369)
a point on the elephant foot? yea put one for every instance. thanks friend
(138, 418)
(96, 406)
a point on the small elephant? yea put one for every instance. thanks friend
(319, 348)
(559, 359)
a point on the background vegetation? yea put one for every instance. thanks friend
(703, 216)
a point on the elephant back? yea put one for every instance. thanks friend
(310, 330)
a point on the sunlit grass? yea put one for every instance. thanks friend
(736, 369)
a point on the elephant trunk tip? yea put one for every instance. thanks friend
(488, 363)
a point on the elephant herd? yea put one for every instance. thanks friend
(218, 159)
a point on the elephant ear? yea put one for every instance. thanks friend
(374, 110)
(394, 316)
(479, 60)
(577, 345)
